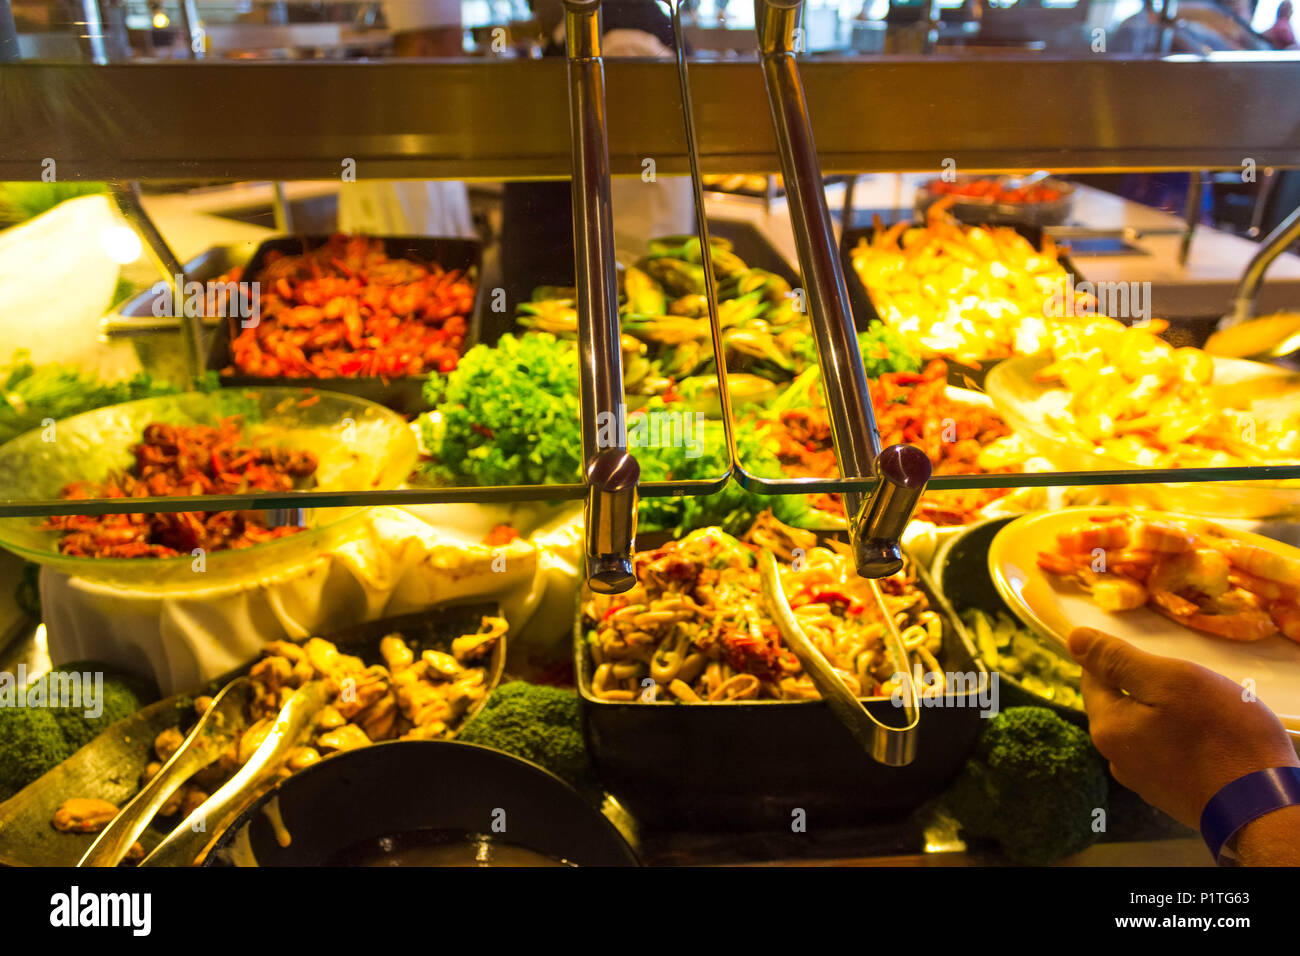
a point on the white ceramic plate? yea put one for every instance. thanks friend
(1019, 398)
(1054, 607)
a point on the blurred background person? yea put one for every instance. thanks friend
(1280, 34)
(537, 218)
(426, 29)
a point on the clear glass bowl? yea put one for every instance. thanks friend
(360, 446)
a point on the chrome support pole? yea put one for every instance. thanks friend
(1273, 245)
(192, 29)
(127, 197)
(1267, 182)
(610, 472)
(281, 210)
(93, 31)
(901, 471)
(8, 34)
(1191, 214)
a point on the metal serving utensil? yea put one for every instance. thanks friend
(891, 746)
(219, 727)
(1267, 337)
(876, 520)
(1247, 291)
(609, 470)
(190, 840)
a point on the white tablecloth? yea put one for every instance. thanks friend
(394, 562)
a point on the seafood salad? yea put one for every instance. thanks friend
(183, 460)
(1191, 571)
(348, 310)
(1126, 393)
(696, 624)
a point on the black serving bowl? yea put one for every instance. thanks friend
(961, 568)
(403, 786)
(742, 765)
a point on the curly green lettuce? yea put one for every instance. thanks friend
(31, 393)
(507, 415)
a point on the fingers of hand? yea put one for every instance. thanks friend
(1115, 720)
(1120, 664)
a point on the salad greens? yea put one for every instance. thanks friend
(20, 201)
(883, 351)
(508, 415)
(29, 393)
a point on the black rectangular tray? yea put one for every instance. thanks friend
(750, 765)
(403, 395)
(864, 311)
(747, 242)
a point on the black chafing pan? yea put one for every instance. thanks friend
(409, 785)
(403, 395)
(864, 310)
(752, 764)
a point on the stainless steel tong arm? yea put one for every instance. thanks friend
(901, 471)
(609, 470)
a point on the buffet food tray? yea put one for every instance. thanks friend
(137, 313)
(864, 310)
(979, 211)
(752, 764)
(404, 394)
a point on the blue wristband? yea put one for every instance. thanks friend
(1246, 799)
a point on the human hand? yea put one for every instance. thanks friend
(1173, 731)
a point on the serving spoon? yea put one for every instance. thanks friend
(892, 746)
(1268, 337)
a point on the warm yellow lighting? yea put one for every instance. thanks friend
(121, 244)
(161, 21)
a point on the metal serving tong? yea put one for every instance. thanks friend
(217, 729)
(891, 746)
(220, 726)
(609, 470)
(188, 843)
(876, 521)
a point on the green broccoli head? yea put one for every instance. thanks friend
(122, 696)
(1033, 786)
(33, 739)
(541, 724)
(30, 744)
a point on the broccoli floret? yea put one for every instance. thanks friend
(30, 744)
(541, 724)
(33, 739)
(1033, 786)
(123, 695)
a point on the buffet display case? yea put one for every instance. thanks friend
(382, 454)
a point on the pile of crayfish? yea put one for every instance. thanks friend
(183, 460)
(347, 310)
(1189, 570)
